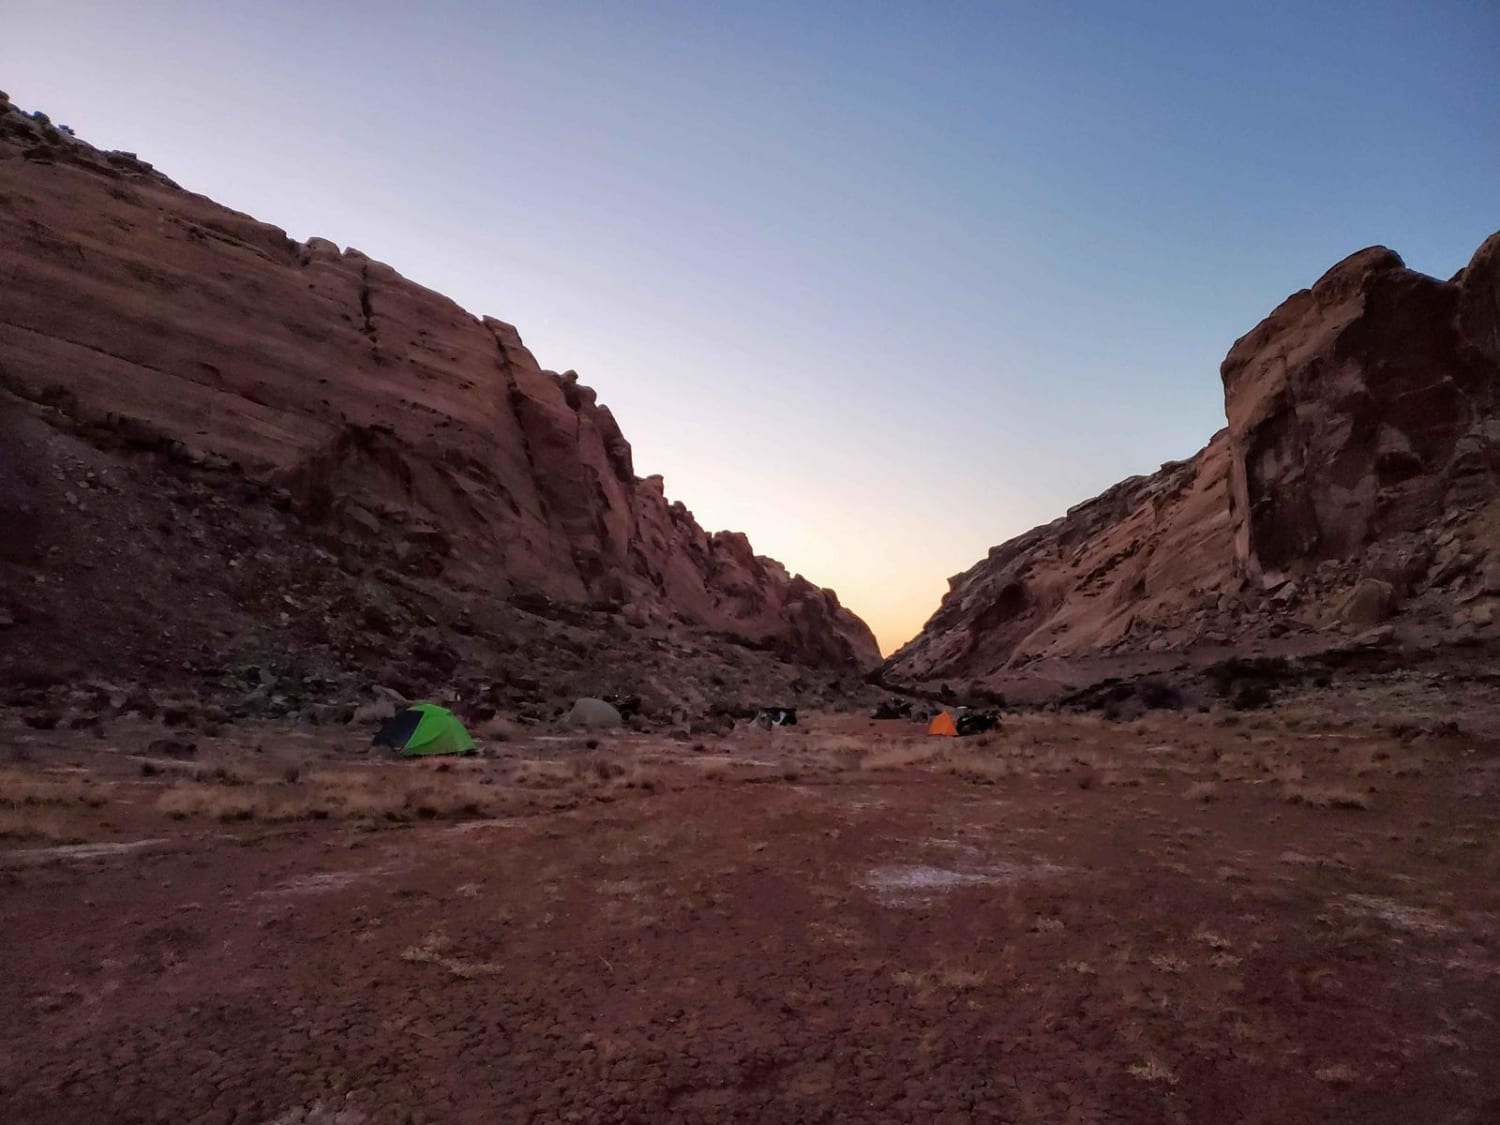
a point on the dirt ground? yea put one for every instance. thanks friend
(1279, 917)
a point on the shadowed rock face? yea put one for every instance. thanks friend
(1355, 483)
(1361, 408)
(1151, 549)
(383, 409)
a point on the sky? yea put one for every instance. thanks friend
(881, 285)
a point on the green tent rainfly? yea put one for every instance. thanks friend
(424, 729)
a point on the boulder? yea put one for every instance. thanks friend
(1379, 637)
(377, 712)
(1489, 581)
(593, 714)
(1369, 603)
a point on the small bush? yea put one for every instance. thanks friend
(980, 770)
(544, 775)
(1252, 697)
(495, 730)
(605, 770)
(1326, 797)
(647, 781)
(183, 801)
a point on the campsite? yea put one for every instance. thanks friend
(749, 564)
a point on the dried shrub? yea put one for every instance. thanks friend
(1326, 796)
(35, 823)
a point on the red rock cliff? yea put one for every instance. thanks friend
(1356, 483)
(383, 408)
(1361, 408)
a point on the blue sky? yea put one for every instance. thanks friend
(881, 285)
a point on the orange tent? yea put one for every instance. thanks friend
(942, 724)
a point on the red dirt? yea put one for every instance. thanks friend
(846, 923)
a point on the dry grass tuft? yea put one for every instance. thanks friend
(958, 979)
(194, 799)
(1339, 1074)
(344, 795)
(432, 950)
(545, 775)
(602, 768)
(638, 777)
(1154, 1070)
(34, 804)
(496, 730)
(837, 744)
(903, 757)
(33, 823)
(941, 979)
(36, 788)
(979, 769)
(1325, 796)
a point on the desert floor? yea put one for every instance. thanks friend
(1279, 916)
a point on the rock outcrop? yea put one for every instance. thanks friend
(1362, 408)
(1355, 484)
(379, 410)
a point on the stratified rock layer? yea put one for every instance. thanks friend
(1355, 483)
(1361, 408)
(385, 411)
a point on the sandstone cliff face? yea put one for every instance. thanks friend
(1148, 552)
(1361, 408)
(1356, 483)
(384, 411)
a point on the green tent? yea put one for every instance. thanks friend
(423, 729)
